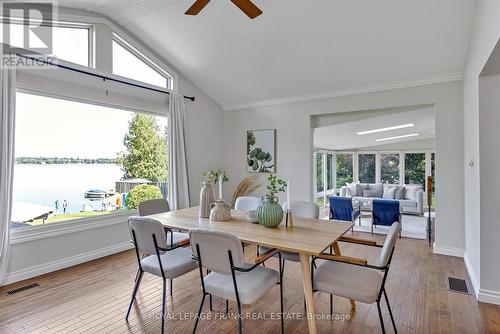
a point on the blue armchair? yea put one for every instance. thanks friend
(341, 208)
(385, 212)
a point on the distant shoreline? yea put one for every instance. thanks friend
(63, 161)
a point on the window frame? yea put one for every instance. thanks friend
(145, 59)
(355, 166)
(75, 25)
(100, 58)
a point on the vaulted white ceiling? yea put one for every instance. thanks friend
(297, 47)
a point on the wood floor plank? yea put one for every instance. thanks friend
(93, 298)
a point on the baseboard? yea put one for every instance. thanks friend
(489, 296)
(64, 263)
(473, 279)
(445, 250)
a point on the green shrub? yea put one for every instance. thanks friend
(140, 194)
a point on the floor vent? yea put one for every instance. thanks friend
(21, 289)
(457, 285)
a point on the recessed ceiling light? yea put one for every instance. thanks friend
(402, 126)
(397, 137)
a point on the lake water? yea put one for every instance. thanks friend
(44, 184)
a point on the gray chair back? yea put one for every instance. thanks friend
(389, 243)
(247, 203)
(144, 228)
(214, 247)
(303, 209)
(153, 206)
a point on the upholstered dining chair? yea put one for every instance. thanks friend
(386, 212)
(154, 206)
(164, 260)
(342, 209)
(354, 278)
(230, 278)
(247, 203)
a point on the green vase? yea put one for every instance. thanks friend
(269, 213)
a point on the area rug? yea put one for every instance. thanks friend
(412, 227)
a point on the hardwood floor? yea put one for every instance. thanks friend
(93, 298)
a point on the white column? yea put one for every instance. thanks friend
(378, 168)
(355, 166)
(334, 172)
(325, 181)
(401, 168)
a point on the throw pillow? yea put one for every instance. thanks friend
(389, 191)
(400, 193)
(411, 191)
(351, 189)
(370, 193)
(360, 188)
(378, 188)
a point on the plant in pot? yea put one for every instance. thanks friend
(270, 213)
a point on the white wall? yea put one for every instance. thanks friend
(489, 137)
(295, 147)
(484, 37)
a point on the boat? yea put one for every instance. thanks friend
(95, 194)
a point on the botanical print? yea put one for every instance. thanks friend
(260, 151)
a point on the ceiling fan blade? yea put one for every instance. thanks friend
(248, 8)
(197, 7)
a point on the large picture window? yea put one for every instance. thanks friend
(415, 168)
(344, 169)
(130, 63)
(389, 168)
(366, 163)
(77, 160)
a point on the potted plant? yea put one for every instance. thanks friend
(207, 193)
(270, 213)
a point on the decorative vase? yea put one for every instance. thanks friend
(207, 197)
(220, 211)
(269, 212)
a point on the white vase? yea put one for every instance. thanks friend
(207, 197)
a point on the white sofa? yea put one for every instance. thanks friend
(411, 199)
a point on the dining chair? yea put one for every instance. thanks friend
(342, 209)
(247, 203)
(230, 278)
(164, 260)
(386, 212)
(155, 206)
(354, 278)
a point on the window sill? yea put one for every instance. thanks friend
(50, 230)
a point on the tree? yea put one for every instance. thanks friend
(344, 169)
(146, 150)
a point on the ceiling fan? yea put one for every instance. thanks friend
(246, 7)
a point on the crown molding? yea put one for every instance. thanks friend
(351, 91)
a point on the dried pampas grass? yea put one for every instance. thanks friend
(245, 187)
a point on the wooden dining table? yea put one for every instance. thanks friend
(307, 237)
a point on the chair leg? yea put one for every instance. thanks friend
(199, 313)
(372, 228)
(227, 306)
(281, 296)
(331, 305)
(134, 292)
(163, 306)
(210, 302)
(390, 311)
(240, 325)
(380, 317)
(171, 284)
